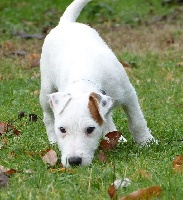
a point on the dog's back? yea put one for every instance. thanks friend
(78, 48)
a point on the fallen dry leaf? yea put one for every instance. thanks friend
(178, 163)
(144, 193)
(7, 171)
(50, 157)
(3, 143)
(4, 182)
(6, 127)
(33, 59)
(10, 172)
(112, 192)
(111, 140)
(102, 157)
(3, 127)
(8, 45)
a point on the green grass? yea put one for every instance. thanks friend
(156, 77)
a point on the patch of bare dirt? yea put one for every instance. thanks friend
(155, 38)
(143, 39)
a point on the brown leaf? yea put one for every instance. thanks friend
(33, 59)
(10, 172)
(111, 140)
(8, 45)
(7, 171)
(5, 128)
(16, 132)
(4, 182)
(50, 157)
(3, 143)
(178, 163)
(102, 157)
(112, 192)
(145, 193)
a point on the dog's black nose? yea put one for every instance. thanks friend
(75, 161)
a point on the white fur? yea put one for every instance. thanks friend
(75, 62)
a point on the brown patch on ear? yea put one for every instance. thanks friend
(93, 106)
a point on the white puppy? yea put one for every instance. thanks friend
(81, 81)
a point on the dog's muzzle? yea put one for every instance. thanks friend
(75, 161)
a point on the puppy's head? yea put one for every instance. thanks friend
(79, 122)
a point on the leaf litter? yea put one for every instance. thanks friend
(110, 141)
(178, 163)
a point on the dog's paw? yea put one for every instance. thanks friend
(122, 139)
(148, 142)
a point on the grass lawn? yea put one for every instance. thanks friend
(146, 35)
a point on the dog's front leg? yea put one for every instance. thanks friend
(48, 118)
(136, 121)
(49, 123)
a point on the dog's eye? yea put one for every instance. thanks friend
(90, 129)
(62, 129)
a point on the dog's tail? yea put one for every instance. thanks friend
(73, 10)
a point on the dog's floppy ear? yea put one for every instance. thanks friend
(58, 101)
(99, 106)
